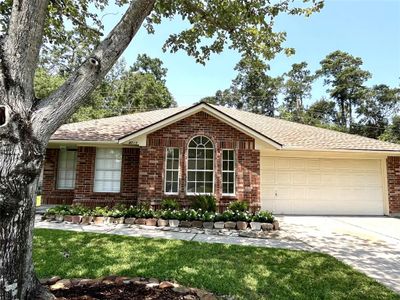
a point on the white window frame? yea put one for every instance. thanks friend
(228, 171)
(196, 170)
(63, 169)
(119, 150)
(172, 170)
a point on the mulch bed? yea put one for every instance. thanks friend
(121, 288)
(121, 292)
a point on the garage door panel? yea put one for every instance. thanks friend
(322, 186)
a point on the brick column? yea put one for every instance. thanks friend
(393, 176)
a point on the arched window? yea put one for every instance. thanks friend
(200, 166)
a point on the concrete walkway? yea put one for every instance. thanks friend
(370, 245)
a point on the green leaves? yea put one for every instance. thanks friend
(246, 26)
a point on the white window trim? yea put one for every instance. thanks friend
(95, 169)
(165, 172)
(234, 173)
(58, 187)
(195, 170)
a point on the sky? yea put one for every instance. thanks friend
(369, 29)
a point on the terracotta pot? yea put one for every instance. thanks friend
(68, 218)
(140, 221)
(98, 220)
(162, 223)
(219, 225)
(76, 219)
(151, 222)
(230, 225)
(241, 225)
(197, 224)
(173, 223)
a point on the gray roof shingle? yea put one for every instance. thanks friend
(288, 134)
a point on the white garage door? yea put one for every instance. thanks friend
(321, 186)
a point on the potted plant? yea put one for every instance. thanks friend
(118, 214)
(194, 217)
(130, 215)
(219, 221)
(162, 221)
(76, 212)
(86, 217)
(228, 217)
(208, 219)
(259, 218)
(99, 214)
(172, 216)
(183, 218)
(141, 216)
(242, 218)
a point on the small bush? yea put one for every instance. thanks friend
(205, 203)
(59, 210)
(243, 216)
(79, 210)
(169, 203)
(207, 216)
(100, 212)
(263, 216)
(239, 206)
(118, 211)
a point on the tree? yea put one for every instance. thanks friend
(297, 88)
(321, 113)
(374, 113)
(252, 89)
(26, 26)
(146, 64)
(343, 73)
(392, 132)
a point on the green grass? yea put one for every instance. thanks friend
(38, 200)
(244, 272)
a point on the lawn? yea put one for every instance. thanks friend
(241, 271)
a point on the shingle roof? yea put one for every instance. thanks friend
(288, 134)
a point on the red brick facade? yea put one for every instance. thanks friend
(393, 175)
(152, 158)
(83, 192)
(50, 193)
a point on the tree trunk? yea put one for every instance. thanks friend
(21, 157)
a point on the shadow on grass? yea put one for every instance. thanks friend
(244, 272)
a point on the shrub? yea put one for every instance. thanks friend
(117, 211)
(169, 203)
(59, 210)
(239, 206)
(207, 216)
(169, 214)
(204, 202)
(79, 210)
(241, 216)
(100, 211)
(263, 216)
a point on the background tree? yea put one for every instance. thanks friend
(392, 132)
(321, 113)
(27, 25)
(297, 88)
(343, 73)
(374, 113)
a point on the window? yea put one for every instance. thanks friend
(107, 176)
(172, 171)
(200, 174)
(228, 172)
(66, 169)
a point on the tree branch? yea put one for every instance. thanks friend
(53, 111)
(22, 44)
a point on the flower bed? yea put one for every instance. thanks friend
(142, 215)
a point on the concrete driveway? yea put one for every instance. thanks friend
(369, 244)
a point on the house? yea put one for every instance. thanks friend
(180, 152)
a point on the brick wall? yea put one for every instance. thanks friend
(151, 174)
(393, 174)
(83, 192)
(85, 168)
(50, 193)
